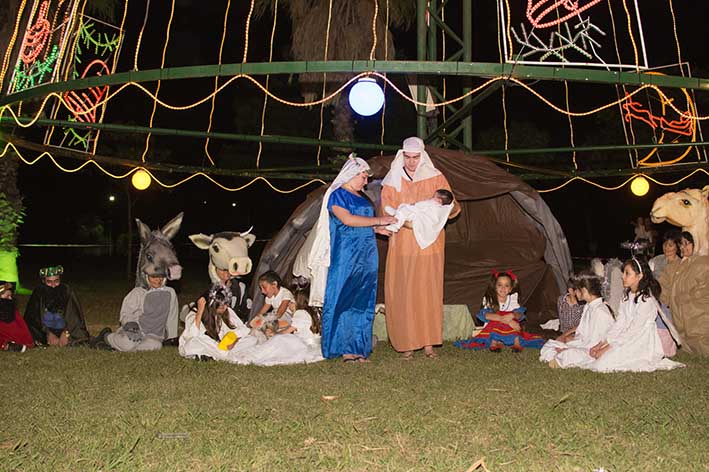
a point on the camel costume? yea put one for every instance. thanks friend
(413, 284)
(685, 290)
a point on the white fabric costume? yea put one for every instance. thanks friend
(155, 311)
(299, 347)
(635, 344)
(318, 241)
(195, 342)
(428, 217)
(595, 322)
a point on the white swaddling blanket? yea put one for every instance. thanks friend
(428, 217)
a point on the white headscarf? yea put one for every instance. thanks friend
(319, 255)
(425, 169)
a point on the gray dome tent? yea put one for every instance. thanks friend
(504, 225)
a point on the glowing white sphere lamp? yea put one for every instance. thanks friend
(366, 97)
(639, 186)
(141, 179)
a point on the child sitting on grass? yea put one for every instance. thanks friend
(633, 343)
(502, 314)
(14, 333)
(571, 348)
(216, 332)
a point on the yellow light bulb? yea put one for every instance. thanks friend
(141, 179)
(639, 186)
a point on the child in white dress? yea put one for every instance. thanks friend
(632, 343)
(427, 217)
(278, 297)
(203, 341)
(571, 349)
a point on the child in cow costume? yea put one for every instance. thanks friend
(228, 261)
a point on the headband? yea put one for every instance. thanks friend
(639, 266)
(51, 271)
(508, 273)
(219, 294)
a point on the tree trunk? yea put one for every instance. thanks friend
(342, 122)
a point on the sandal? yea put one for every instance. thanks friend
(407, 356)
(496, 349)
(348, 360)
(517, 349)
(431, 355)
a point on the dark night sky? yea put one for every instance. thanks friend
(587, 214)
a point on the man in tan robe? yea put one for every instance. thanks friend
(413, 283)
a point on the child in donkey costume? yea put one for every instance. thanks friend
(149, 312)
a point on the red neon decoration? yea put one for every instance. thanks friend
(36, 36)
(79, 103)
(683, 125)
(573, 8)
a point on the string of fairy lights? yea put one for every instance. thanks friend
(690, 115)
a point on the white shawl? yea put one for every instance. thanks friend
(425, 169)
(319, 255)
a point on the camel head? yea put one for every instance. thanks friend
(684, 208)
(688, 209)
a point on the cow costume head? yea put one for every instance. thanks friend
(228, 250)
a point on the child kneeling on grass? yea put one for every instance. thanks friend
(502, 314)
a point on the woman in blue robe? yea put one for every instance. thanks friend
(351, 287)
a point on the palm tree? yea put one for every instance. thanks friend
(350, 38)
(11, 209)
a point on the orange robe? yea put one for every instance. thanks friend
(413, 282)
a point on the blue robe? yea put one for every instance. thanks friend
(351, 291)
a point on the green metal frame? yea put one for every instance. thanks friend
(430, 68)
(463, 69)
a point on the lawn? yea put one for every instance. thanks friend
(78, 409)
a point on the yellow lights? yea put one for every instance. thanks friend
(639, 186)
(141, 179)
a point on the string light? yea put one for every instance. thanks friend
(216, 84)
(324, 79)
(157, 88)
(9, 146)
(571, 7)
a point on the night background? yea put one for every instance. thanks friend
(74, 208)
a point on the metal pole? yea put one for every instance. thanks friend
(467, 57)
(421, 56)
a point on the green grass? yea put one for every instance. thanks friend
(78, 409)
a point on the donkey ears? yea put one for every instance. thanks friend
(143, 230)
(173, 226)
